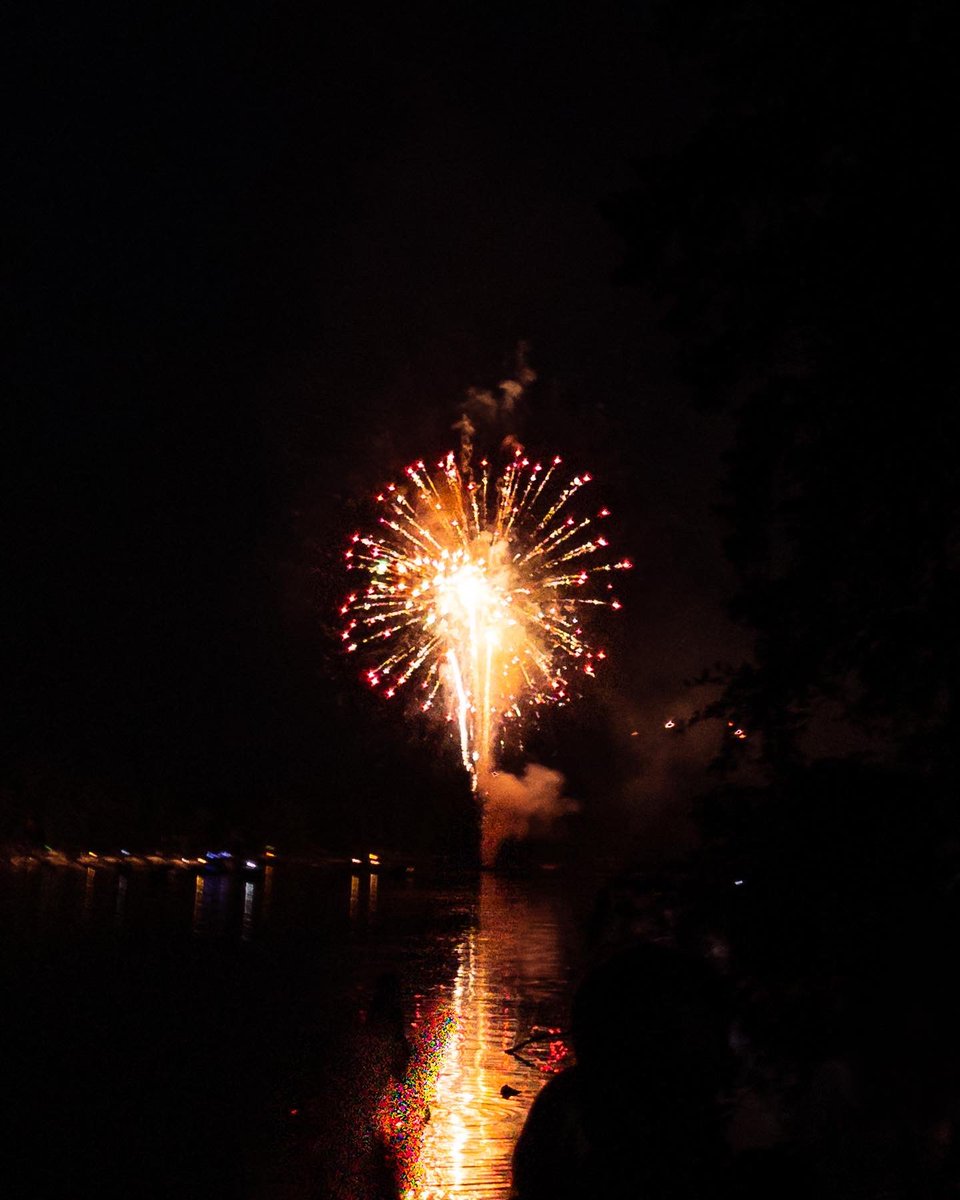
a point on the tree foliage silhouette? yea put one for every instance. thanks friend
(798, 248)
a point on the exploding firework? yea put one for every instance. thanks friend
(477, 592)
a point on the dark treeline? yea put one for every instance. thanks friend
(797, 248)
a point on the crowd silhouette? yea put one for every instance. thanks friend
(698, 1079)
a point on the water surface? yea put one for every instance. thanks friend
(185, 1031)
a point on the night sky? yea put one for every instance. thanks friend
(260, 253)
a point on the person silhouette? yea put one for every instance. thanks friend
(641, 1113)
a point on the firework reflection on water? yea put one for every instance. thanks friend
(511, 978)
(257, 985)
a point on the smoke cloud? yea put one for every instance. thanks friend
(519, 806)
(523, 375)
(486, 408)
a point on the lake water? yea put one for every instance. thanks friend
(172, 1034)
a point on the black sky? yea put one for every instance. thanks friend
(259, 254)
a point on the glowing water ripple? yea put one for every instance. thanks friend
(510, 980)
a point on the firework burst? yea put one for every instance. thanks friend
(476, 594)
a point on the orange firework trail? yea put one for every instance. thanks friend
(476, 593)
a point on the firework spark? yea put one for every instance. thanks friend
(477, 592)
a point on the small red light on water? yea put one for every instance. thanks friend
(294, 1112)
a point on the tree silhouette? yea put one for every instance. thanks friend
(798, 248)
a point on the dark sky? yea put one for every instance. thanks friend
(259, 255)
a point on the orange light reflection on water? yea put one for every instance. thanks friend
(451, 1130)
